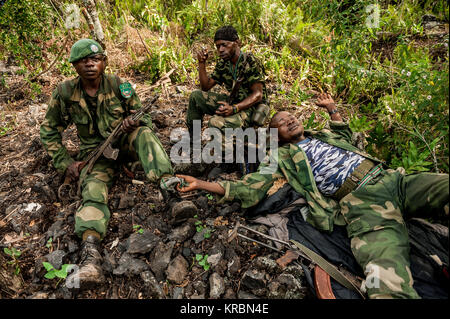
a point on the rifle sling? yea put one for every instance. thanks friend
(234, 90)
(329, 268)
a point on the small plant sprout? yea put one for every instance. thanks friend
(14, 254)
(138, 229)
(203, 261)
(52, 272)
(199, 226)
(49, 243)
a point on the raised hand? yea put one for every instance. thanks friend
(325, 100)
(202, 55)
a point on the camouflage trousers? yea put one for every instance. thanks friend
(375, 223)
(201, 103)
(143, 145)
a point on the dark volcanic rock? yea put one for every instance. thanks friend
(229, 209)
(142, 243)
(183, 232)
(160, 258)
(130, 266)
(216, 286)
(153, 288)
(286, 286)
(202, 203)
(177, 270)
(253, 279)
(56, 258)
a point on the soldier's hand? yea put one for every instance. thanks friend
(202, 55)
(224, 109)
(191, 181)
(73, 171)
(129, 125)
(325, 100)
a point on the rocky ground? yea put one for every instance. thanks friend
(144, 256)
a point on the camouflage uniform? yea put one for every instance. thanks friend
(201, 103)
(95, 118)
(372, 213)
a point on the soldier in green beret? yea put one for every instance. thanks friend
(96, 103)
(346, 186)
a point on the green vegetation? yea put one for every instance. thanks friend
(53, 273)
(199, 227)
(388, 75)
(203, 261)
(14, 255)
(49, 243)
(138, 229)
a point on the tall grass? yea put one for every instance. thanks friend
(391, 79)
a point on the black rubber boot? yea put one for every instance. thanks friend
(90, 273)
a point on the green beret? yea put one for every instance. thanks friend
(84, 48)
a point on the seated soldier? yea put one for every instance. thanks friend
(344, 185)
(242, 75)
(96, 103)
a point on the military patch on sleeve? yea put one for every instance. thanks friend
(126, 90)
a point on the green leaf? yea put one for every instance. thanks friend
(16, 252)
(49, 243)
(198, 257)
(310, 122)
(8, 251)
(50, 275)
(61, 273)
(48, 266)
(65, 266)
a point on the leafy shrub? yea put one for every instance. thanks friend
(24, 25)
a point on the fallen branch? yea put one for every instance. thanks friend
(54, 61)
(164, 79)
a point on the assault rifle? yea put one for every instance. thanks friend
(323, 270)
(105, 149)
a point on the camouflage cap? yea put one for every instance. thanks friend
(84, 48)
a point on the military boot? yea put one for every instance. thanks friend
(89, 273)
(180, 210)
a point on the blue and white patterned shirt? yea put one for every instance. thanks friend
(330, 165)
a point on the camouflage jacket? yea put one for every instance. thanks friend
(293, 165)
(249, 68)
(68, 105)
